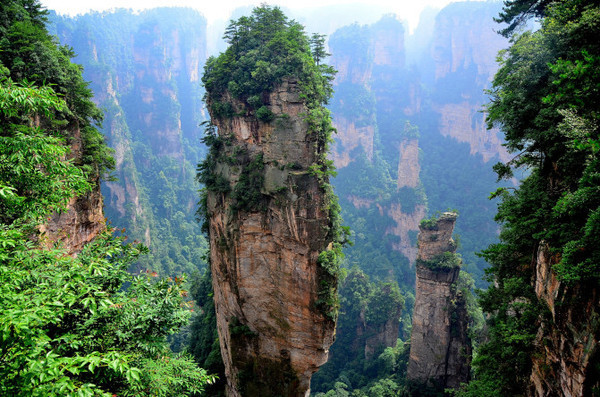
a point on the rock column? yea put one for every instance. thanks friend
(268, 222)
(440, 350)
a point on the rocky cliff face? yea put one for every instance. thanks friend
(80, 224)
(440, 348)
(567, 358)
(144, 70)
(274, 333)
(351, 137)
(84, 218)
(464, 52)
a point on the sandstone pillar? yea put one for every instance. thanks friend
(440, 350)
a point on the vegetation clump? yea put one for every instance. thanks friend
(429, 223)
(247, 194)
(70, 325)
(445, 261)
(545, 98)
(264, 49)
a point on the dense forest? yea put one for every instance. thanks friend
(72, 323)
(545, 98)
(125, 306)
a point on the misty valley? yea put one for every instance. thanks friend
(295, 204)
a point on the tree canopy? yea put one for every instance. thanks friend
(70, 324)
(545, 98)
(264, 48)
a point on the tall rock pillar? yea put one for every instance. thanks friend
(440, 351)
(268, 222)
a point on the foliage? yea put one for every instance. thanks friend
(32, 168)
(558, 144)
(329, 262)
(465, 288)
(386, 302)
(68, 327)
(365, 308)
(544, 98)
(31, 54)
(246, 193)
(204, 340)
(170, 375)
(445, 261)
(430, 223)
(354, 40)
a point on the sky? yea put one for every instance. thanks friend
(213, 10)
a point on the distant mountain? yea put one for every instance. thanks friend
(145, 73)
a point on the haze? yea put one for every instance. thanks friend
(408, 11)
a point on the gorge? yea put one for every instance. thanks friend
(83, 311)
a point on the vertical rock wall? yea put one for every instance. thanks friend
(79, 224)
(464, 52)
(567, 359)
(440, 349)
(144, 69)
(274, 333)
(84, 218)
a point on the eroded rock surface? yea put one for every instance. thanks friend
(567, 356)
(273, 332)
(466, 44)
(83, 218)
(80, 224)
(440, 349)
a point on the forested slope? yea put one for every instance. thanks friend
(543, 304)
(73, 321)
(144, 71)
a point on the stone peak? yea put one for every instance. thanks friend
(435, 236)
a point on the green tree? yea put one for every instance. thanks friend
(516, 12)
(70, 325)
(317, 47)
(29, 53)
(34, 174)
(544, 97)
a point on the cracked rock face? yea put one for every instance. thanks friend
(264, 255)
(440, 349)
(83, 218)
(567, 357)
